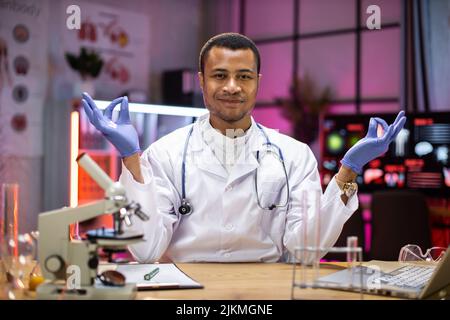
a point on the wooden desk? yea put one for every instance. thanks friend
(252, 281)
(245, 281)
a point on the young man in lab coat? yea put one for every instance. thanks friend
(227, 220)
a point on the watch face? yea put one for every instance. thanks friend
(350, 189)
(349, 192)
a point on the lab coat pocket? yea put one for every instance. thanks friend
(268, 198)
(272, 222)
(269, 192)
(272, 194)
(272, 190)
(271, 180)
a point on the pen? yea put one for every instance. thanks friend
(151, 274)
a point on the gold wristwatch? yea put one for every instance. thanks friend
(347, 188)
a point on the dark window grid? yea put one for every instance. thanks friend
(358, 57)
(380, 100)
(296, 38)
(313, 35)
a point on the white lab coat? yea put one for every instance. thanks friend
(226, 224)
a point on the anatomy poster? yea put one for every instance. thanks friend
(121, 38)
(23, 76)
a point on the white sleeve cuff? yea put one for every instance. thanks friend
(334, 191)
(127, 179)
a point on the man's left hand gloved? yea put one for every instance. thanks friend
(372, 146)
(121, 133)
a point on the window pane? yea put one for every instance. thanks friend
(380, 63)
(379, 107)
(330, 61)
(268, 18)
(326, 15)
(390, 10)
(276, 70)
(272, 117)
(341, 109)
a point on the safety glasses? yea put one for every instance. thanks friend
(412, 252)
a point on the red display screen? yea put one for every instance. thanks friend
(417, 159)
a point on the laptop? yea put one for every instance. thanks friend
(405, 280)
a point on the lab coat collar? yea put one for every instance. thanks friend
(246, 162)
(199, 144)
(207, 161)
(202, 154)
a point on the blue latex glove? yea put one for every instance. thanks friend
(372, 146)
(121, 134)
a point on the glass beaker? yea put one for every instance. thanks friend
(9, 212)
(310, 233)
(17, 261)
(352, 243)
(309, 251)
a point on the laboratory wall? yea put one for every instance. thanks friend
(24, 79)
(36, 104)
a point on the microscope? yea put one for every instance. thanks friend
(70, 266)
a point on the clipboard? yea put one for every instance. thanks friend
(168, 277)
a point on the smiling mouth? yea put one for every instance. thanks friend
(231, 101)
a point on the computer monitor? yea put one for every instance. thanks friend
(417, 159)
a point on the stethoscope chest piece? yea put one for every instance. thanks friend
(185, 208)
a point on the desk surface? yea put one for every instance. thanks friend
(252, 281)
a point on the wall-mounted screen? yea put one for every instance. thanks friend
(417, 159)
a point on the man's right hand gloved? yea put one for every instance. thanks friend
(121, 134)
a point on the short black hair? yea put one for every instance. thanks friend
(233, 41)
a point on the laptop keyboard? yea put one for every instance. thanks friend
(408, 276)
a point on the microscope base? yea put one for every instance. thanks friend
(50, 291)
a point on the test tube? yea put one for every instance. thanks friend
(315, 210)
(304, 225)
(303, 238)
(310, 244)
(352, 257)
(352, 244)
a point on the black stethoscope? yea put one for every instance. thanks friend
(186, 208)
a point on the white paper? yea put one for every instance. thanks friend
(168, 274)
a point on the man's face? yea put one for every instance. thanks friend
(229, 83)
